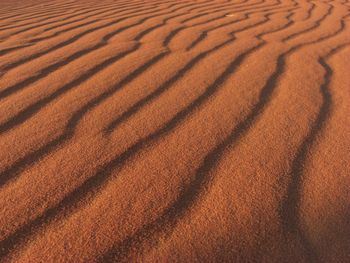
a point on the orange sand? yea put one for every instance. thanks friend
(174, 131)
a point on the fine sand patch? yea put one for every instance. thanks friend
(174, 131)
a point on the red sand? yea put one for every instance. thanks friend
(174, 131)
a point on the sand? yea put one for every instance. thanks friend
(174, 131)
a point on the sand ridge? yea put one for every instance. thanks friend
(185, 131)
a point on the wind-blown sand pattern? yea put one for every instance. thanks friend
(174, 131)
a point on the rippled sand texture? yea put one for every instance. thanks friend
(174, 131)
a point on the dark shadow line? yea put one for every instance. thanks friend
(290, 204)
(92, 184)
(316, 25)
(104, 173)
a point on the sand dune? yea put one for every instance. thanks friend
(174, 131)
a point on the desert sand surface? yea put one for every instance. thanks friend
(174, 131)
